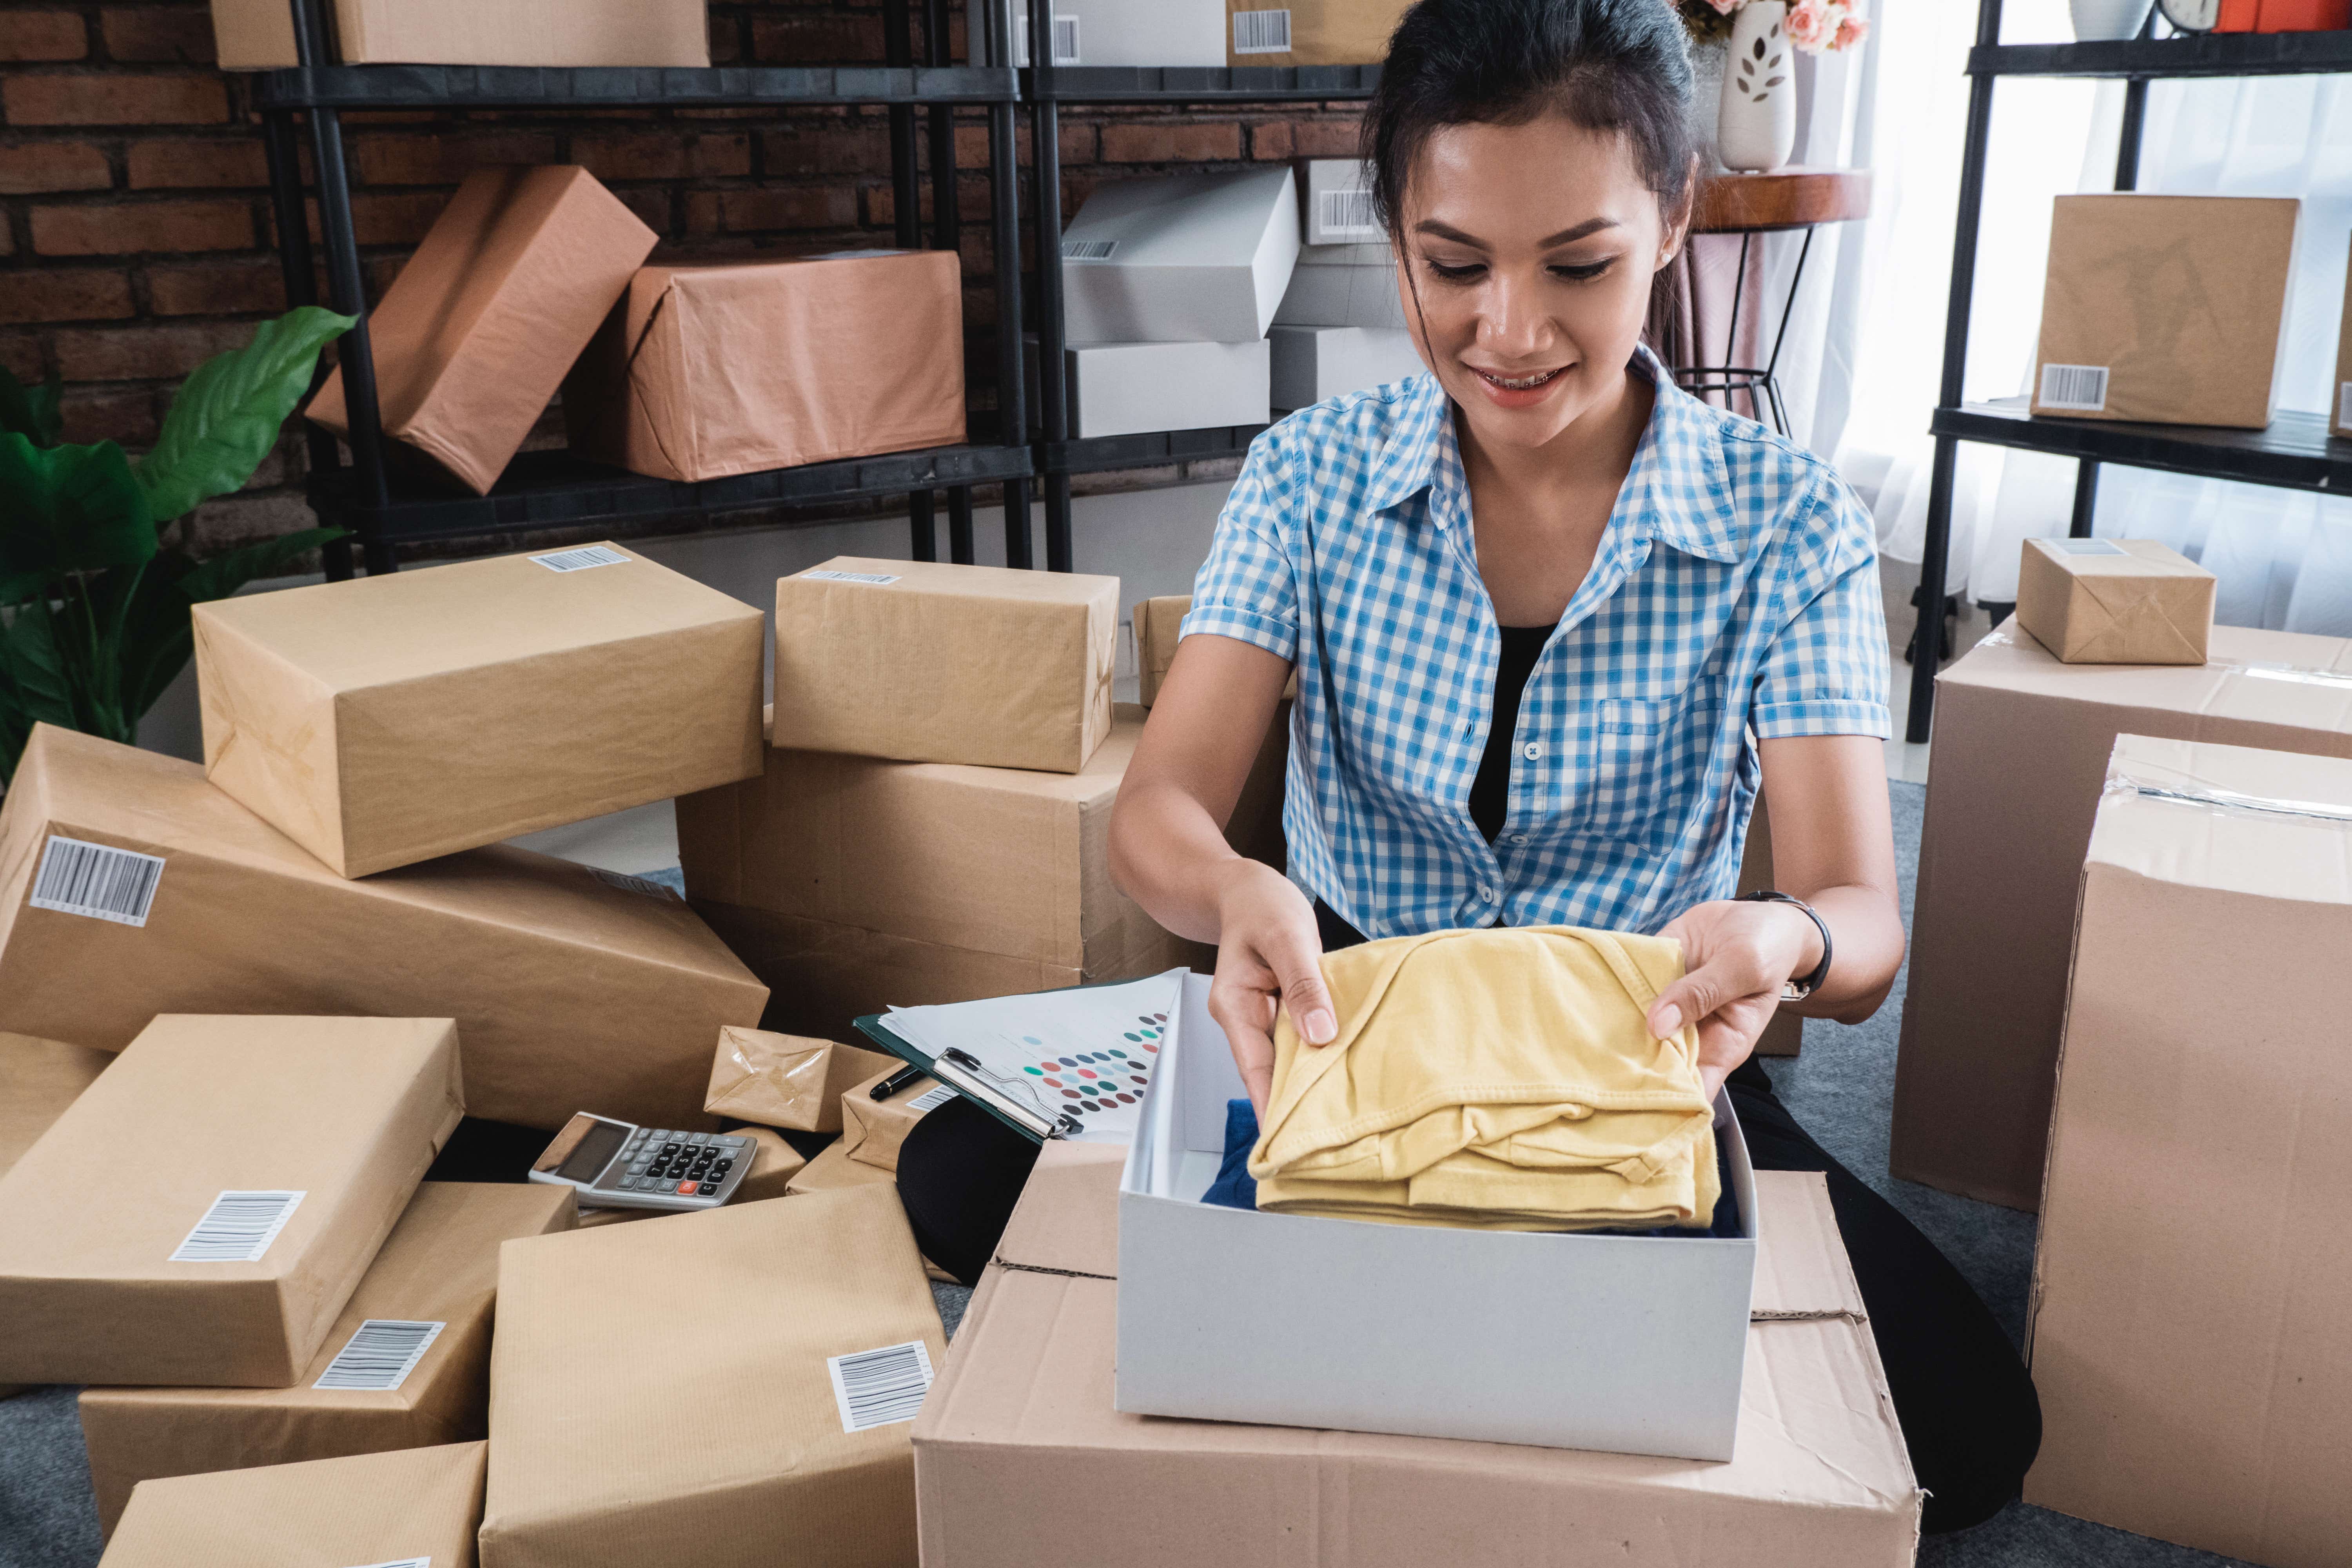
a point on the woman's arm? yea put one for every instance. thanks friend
(1833, 847)
(1168, 848)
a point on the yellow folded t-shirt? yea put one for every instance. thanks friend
(1504, 1079)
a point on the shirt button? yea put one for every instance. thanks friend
(1518, 839)
(1486, 894)
(1532, 751)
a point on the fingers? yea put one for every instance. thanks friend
(1297, 963)
(1694, 996)
(1245, 1013)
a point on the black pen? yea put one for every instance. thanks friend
(897, 1081)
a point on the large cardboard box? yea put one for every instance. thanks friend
(2167, 309)
(573, 993)
(1311, 363)
(2193, 1291)
(1343, 286)
(476, 333)
(833, 1170)
(720, 1423)
(734, 367)
(203, 1212)
(405, 1366)
(931, 663)
(1120, 389)
(38, 1079)
(400, 1510)
(1310, 32)
(2114, 601)
(786, 1080)
(1021, 1421)
(258, 35)
(2021, 751)
(393, 719)
(1179, 258)
(1148, 32)
(2339, 421)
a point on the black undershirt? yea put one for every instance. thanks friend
(1490, 792)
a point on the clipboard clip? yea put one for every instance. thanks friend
(1058, 1123)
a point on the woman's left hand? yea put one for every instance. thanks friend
(1736, 957)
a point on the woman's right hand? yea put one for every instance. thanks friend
(1269, 958)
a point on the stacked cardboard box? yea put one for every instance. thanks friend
(1310, 32)
(1340, 326)
(38, 1078)
(258, 35)
(416, 1505)
(1149, 33)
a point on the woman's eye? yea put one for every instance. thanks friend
(1456, 274)
(1585, 272)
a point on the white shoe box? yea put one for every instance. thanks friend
(1180, 258)
(1123, 389)
(1342, 286)
(1311, 363)
(1338, 203)
(1121, 33)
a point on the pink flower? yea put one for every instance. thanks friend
(1810, 24)
(1851, 31)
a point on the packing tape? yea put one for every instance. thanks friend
(2006, 636)
(2228, 802)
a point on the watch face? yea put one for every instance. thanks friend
(2191, 16)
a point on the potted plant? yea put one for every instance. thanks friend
(93, 604)
(1756, 115)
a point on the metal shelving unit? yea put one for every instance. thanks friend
(2296, 451)
(559, 490)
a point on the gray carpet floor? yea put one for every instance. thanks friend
(1841, 1088)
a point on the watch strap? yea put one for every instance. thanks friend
(1799, 988)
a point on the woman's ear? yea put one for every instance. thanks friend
(1678, 220)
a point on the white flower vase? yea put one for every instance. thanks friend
(1756, 128)
(2106, 18)
(1706, 97)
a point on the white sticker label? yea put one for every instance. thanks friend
(879, 1388)
(581, 559)
(1261, 32)
(2082, 387)
(878, 578)
(1348, 215)
(642, 886)
(379, 1356)
(239, 1227)
(1088, 250)
(1065, 40)
(931, 1098)
(2085, 546)
(95, 879)
(2344, 405)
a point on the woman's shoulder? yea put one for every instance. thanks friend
(1784, 495)
(1356, 435)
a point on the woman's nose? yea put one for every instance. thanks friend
(1513, 319)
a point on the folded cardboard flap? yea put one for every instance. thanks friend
(2272, 824)
(412, 1506)
(786, 1080)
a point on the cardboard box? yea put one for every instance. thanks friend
(833, 1170)
(412, 1506)
(2022, 743)
(2192, 1290)
(1311, 32)
(1180, 258)
(1022, 1420)
(2114, 601)
(774, 1164)
(258, 35)
(38, 1080)
(1120, 389)
(932, 663)
(873, 1130)
(786, 1080)
(1148, 32)
(254, 1167)
(712, 1435)
(2166, 309)
(1336, 203)
(1344, 285)
(573, 992)
(2340, 422)
(478, 331)
(732, 368)
(1311, 363)
(390, 720)
(439, 1266)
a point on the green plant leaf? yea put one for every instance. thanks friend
(230, 409)
(67, 509)
(32, 412)
(35, 665)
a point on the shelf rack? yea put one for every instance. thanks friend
(2295, 452)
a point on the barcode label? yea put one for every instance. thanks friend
(379, 1356)
(1065, 40)
(2344, 405)
(1261, 32)
(580, 559)
(97, 880)
(931, 1098)
(1088, 250)
(877, 1388)
(638, 885)
(2076, 386)
(239, 1227)
(1349, 215)
(2084, 546)
(877, 578)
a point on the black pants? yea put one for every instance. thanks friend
(1968, 1411)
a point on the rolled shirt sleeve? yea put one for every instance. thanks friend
(1826, 673)
(1246, 589)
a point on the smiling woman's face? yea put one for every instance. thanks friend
(1528, 252)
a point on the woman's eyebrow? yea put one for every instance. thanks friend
(1570, 236)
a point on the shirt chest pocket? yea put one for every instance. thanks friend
(1628, 778)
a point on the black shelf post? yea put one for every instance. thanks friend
(1004, 181)
(2086, 472)
(1053, 392)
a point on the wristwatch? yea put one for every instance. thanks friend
(1798, 990)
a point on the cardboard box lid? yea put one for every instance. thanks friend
(701, 1428)
(38, 1079)
(2249, 677)
(2271, 824)
(372, 1509)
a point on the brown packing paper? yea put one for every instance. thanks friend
(872, 1129)
(702, 371)
(2179, 300)
(2192, 1270)
(1321, 32)
(439, 1265)
(774, 1164)
(1022, 1420)
(570, 993)
(931, 663)
(710, 1434)
(417, 1503)
(393, 719)
(38, 1078)
(347, 1111)
(475, 335)
(833, 1170)
(785, 1080)
(2022, 743)
(2339, 420)
(2114, 601)
(258, 35)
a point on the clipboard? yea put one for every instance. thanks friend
(875, 1027)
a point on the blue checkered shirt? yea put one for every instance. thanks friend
(1733, 597)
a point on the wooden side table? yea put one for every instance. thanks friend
(1776, 202)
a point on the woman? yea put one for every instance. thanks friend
(1554, 623)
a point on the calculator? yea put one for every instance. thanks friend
(614, 1164)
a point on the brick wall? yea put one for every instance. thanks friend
(136, 234)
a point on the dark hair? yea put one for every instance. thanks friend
(1608, 65)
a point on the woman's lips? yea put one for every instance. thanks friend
(1520, 391)
(1519, 383)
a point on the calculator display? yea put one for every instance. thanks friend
(594, 1150)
